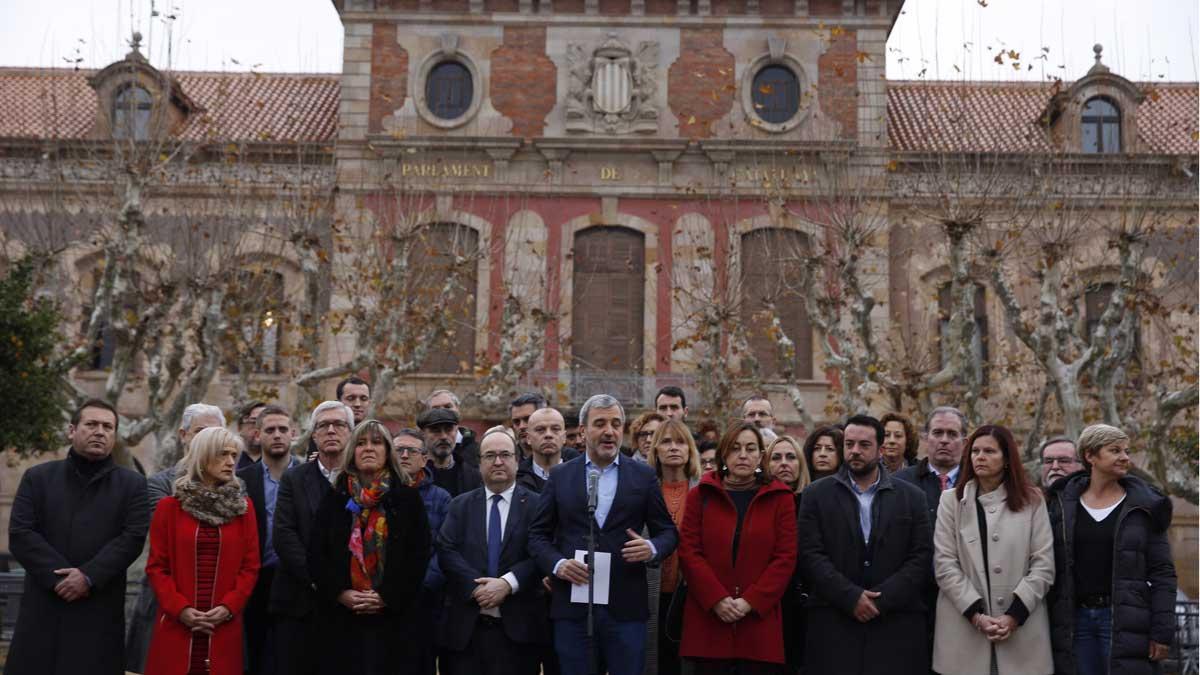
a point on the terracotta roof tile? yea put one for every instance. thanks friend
(57, 103)
(1002, 117)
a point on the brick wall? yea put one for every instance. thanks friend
(523, 79)
(500, 5)
(837, 81)
(776, 7)
(661, 7)
(614, 7)
(700, 83)
(389, 75)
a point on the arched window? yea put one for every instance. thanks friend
(776, 94)
(1095, 301)
(979, 344)
(1101, 126)
(131, 114)
(771, 291)
(607, 311)
(257, 306)
(449, 90)
(447, 252)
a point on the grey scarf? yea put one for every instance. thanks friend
(214, 506)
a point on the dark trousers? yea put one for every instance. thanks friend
(735, 667)
(491, 652)
(620, 645)
(296, 644)
(668, 649)
(260, 652)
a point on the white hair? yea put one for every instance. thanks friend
(195, 410)
(438, 392)
(207, 444)
(334, 405)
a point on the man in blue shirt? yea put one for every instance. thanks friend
(275, 433)
(628, 501)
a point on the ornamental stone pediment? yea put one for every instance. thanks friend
(611, 88)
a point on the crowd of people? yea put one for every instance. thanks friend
(595, 544)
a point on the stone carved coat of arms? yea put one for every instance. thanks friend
(610, 89)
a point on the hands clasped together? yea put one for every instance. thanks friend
(73, 585)
(732, 610)
(361, 602)
(996, 628)
(205, 622)
(490, 592)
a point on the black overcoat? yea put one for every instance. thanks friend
(838, 565)
(359, 643)
(61, 518)
(1143, 592)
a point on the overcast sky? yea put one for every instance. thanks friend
(934, 39)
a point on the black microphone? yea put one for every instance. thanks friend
(593, 488)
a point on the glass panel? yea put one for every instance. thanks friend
(776, 94)
(449, 90)
(131, 114)
(1110, 141)
(1090, 140)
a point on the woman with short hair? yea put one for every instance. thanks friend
(737, 548)
(368, 558)
(203, 562)
(1112, 609)
(676, 461)
(994, 563)
(900, 441)
(823, 452)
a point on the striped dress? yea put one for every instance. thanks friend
(208, 548)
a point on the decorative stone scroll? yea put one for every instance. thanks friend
(611, 89)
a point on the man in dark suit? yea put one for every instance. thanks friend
(546, 436)
(628, 501)
(262, 480)
(301, 489)
(494, 616)
(865, 554)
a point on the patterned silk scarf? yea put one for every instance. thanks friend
(368, 533)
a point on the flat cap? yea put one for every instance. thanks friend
(436, 416)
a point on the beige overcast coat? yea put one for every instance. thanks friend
(1021, 558)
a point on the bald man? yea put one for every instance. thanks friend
(546, 434)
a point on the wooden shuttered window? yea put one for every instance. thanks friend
(446, 250)
(770, 277)
(608, 302)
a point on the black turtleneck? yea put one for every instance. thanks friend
(86, 467)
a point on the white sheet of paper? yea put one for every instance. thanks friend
(603, 567)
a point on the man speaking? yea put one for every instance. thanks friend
(627, 501)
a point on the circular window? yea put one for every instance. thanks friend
(776, 94)
(449, 90)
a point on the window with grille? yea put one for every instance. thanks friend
(1101, 132)
(449, 90)
(776, 94)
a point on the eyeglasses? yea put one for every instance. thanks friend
(1065, 461)
(493, 457)
(331, 425)
(402, 450)
(644, 434)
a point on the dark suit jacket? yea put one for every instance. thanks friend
(532, 481)
(300, 492)
(462, 552)
(561, 527)
(252, 476)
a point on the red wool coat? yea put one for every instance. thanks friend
(765, 562)
(171, 569)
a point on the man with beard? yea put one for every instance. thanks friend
(440, 426)
(292, 601)
(865, 553)
(262, 478)
(77, 525)
(409, 448)
(628, 502)
(519, 410)
(465, 447)
(247, 428)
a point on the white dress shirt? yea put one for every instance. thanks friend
(503, 507)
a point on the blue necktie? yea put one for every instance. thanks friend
(494, 536)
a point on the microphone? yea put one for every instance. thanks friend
(593, 488)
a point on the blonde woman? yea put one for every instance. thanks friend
(368, 558)
(675, 460)
(203, 562)
(786, 463)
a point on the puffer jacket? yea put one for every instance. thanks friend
(1143, 592)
